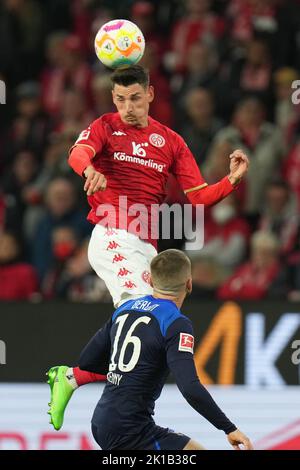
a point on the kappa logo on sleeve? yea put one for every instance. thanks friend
(186, 343)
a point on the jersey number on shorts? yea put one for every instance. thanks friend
(129, 338)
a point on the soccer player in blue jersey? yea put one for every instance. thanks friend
(144, 340)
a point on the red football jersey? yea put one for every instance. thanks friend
(136, 163)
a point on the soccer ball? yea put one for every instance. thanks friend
(119, 42)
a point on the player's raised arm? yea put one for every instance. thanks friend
(88, 144)
(192, 182)
(180, 359)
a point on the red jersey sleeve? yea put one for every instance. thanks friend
(93, 137)
(185, 168)
(89, 142)
(192, 182)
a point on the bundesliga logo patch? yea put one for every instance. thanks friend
(84, 135)
(186, 343)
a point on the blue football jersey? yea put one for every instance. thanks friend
(144, 339)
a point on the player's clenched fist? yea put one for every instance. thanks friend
(236, 438)
(239, 164)
(95, 181)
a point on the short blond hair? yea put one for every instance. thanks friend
(170, 270)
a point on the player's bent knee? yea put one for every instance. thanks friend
(193, 445)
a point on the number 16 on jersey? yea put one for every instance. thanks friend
(121, 347)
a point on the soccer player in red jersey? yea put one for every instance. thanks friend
(126, 158)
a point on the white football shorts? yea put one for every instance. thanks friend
(122, 260)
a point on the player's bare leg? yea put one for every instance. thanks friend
(193, 445)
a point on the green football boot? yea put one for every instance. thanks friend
(61, 392)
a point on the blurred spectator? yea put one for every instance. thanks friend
(55, 50)
(82, 284)
(252, 74)
(74, 115)
(31, 125)
(201, 125)
(226, 236)
(253, 279)
(249, 73)
(280, 215)
(199, 23)
(287, 40)
(291, 171)
(262, 143)
(160, 108)
(143, 15)
(71, 276)
(82, 15)
(17, 181)
(101, 90)
(9, 213)
(55, 165)
(21, 39)
(64, 244)
(207, 277)
(202, 70)
(69, 70)
(287, 113)
(61, 210)
(58, 14)
(249, 17)
(202, 63)
(18, 280)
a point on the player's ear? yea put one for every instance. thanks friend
(150, 282)
(189, 286)
(150, 94)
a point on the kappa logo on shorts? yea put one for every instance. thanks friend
(129, 285)
(146, 277)
(157, 140)
(123, 272)
(113, 245)
(186, 343)
(118, 258)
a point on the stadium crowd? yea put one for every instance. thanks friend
(223, 74)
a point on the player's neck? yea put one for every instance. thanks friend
(144, 123)
(178, 300)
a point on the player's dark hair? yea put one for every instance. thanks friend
(129, 75)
